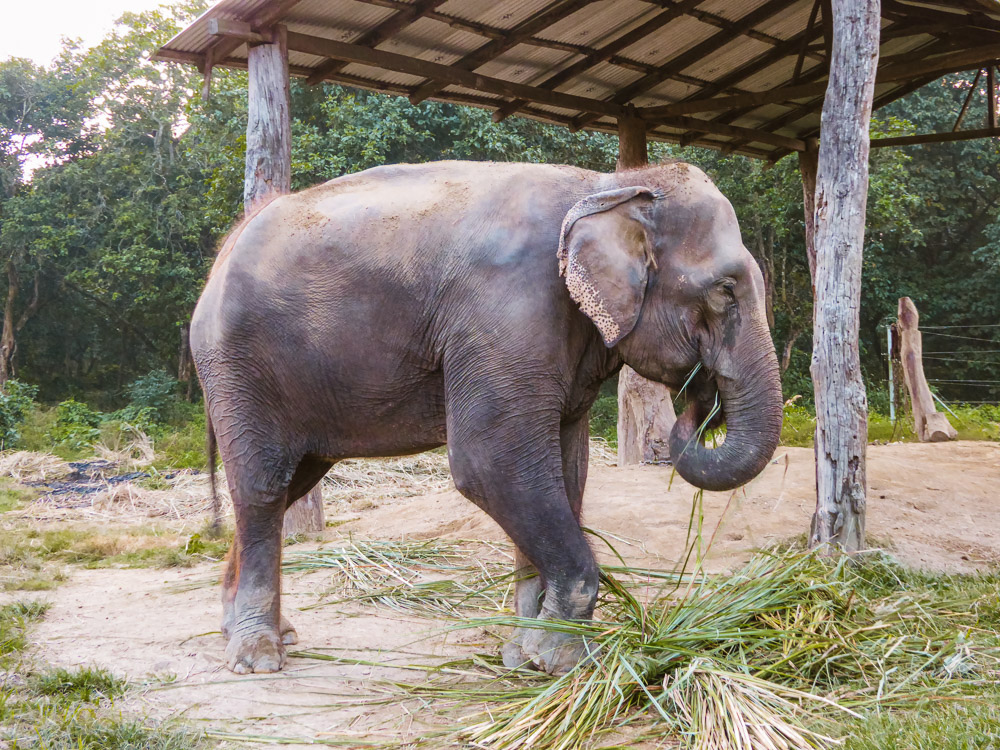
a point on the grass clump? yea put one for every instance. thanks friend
(89, 684)
(791, 651)
(14, 621)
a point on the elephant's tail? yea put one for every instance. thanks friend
(211, 445)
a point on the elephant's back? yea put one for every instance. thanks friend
(394, 237)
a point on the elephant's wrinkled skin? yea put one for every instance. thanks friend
(479, 305)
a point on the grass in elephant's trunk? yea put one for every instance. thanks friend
(787, 652)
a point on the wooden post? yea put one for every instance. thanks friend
(269, 123)
(932, 426)
(808, 161)
(645, 408)
(268, 175)
(841, 199)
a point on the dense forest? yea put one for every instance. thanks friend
(117, 182)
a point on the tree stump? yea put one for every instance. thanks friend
(645, 419)
(931, 425)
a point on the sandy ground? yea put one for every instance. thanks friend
(933, 506)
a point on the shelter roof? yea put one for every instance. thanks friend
(739, 75)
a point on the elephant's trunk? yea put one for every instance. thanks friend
(752, 405)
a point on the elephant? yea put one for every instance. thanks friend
(480, 306)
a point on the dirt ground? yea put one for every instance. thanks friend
(932, 506)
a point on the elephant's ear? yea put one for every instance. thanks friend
(604, 253)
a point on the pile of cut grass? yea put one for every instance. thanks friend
(423, 577)
(794, 650)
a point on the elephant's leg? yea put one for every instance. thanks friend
(574, 439)
(254, 630)
(506, 458)
(310, 471)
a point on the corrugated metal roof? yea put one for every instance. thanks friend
(607, 53)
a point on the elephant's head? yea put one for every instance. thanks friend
(661, 270)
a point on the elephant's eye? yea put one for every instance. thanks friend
(728, 287)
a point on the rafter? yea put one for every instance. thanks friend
(696, 53)
(598, 56)
(555, 12)
(378, 34)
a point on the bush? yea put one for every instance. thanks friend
(16, 402)
(151, 397)
(77, 425)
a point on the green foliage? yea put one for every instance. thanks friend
(153, 394)
(604, 419)
(76, 426)
(16, 401)
(183, 446)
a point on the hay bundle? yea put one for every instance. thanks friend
(28, 467)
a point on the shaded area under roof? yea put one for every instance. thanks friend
(744, 76)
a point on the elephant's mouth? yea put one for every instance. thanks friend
(700, 403)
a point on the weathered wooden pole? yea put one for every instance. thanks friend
(841, 199)
(645, 408)
(808, 161)
(268, 175)
(931, 425)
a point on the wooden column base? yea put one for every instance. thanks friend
(305, 516)
(645, 419)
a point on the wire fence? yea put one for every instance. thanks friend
(961, 367)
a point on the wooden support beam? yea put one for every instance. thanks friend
(445, 75)
(808, 162)
(752, 99)
(632, 149)
(896, 70)
(269, 130)
(747, 134)
(968, 100)
(239, 30)
(267, 17)
(915, 140)
(991, 98)
(841, 198)
(931, 426)
(375, 36)
(537, 22)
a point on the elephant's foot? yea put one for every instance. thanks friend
(258, 652)
(554, 653)
(288, 635)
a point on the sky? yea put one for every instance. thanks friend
(33, 28)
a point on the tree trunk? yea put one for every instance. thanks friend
(841, 198)
(932, 426)
(269, 174)
(7, 341)
(184, 363)
(645, 408)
